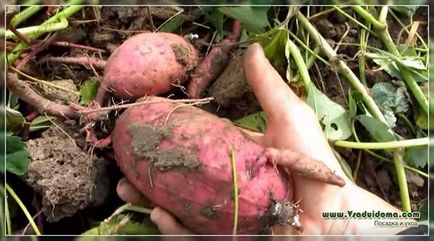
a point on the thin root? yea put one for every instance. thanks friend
(145, 102)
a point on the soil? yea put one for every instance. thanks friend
(233, 96)
(182, 55)
(72, 179)
(61, 96)
(145, 146)
(68, 178)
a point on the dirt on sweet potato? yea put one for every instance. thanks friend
(147, 138)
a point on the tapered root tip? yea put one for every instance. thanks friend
(336, 180)
(304, 165)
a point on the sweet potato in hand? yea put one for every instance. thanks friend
(179, 157)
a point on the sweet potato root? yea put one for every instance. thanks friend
(214, 63)
(179, 157)
(147, 64)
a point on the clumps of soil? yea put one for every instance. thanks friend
(68, 178)
(181, 53)
(145, 146)
(60, 95)
(280, 213)
(231, 92)
(183, 56)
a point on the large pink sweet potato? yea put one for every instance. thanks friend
(184, 166)
(179, 157)
(147, 64)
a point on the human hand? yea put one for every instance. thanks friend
(292, 124)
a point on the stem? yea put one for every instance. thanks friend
(362, 67)
(83, 60)
(25, 14)
(383, 145)
(39, 29)
(44, 82)
(343, 68)
(356, 169)
(353, 19)
(430, 176)
(137, 209)
(2, 218)
(425, 47)
(24, 92)
(128, 207)
(8, 219)
(402, 180)
(344, 165)
(406, 74)
(145, 102)
(309, 63)
(313, 52)
(66, 13)
(302, 69)
(366, 15)
(235, 180)
(7, 214)
(23, 208)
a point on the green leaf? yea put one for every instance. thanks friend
(254, 18)
(12, 101)
(274, 44)
(423, 210)
(41, 123)
(414, 63)
(122, 225)
(216, 18)
(388, 65)
(254, 122)
(377, 129)
(352, 107)
(389, 62)
(407, 10)
(88, 90)
(333, 116)
(17, 155)
(173, 24)
(391, 100)
(422, 121)
(14, 119)
(417, 156)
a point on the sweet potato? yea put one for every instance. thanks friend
(147, 64)
(179, 157)
(214, 63)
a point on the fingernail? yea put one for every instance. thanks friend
(120, 188)
(255, 47)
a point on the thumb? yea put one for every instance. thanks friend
(274, 95)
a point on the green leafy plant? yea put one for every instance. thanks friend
(88, 90)
(16, 154)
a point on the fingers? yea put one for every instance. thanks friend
(274, 95)
(166, 223)
(128, 193)
(292, 124)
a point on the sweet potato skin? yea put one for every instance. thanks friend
(182, 163)
(148, 64)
